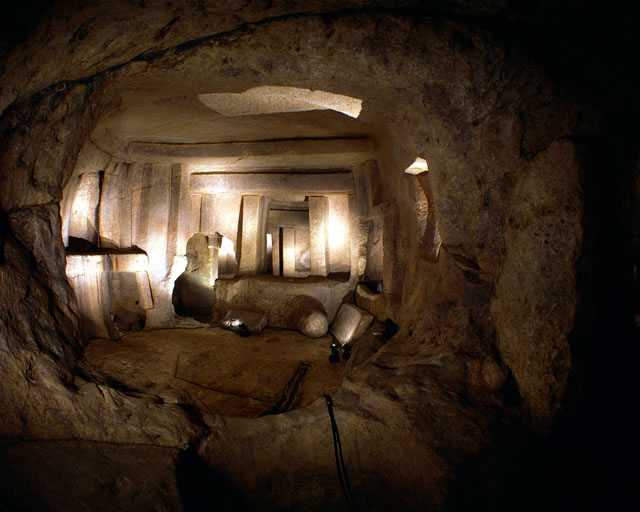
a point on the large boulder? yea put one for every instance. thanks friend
(308, 316)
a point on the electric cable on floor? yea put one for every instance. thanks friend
(337, 449)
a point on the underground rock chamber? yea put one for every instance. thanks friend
(178, 206)
(248, 235)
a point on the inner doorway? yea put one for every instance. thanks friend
(287, 239)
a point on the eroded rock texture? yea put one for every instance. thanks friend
(534, 309)
(480, 259)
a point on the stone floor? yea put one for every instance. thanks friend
(219, 371)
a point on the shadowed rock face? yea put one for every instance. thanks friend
(484, 258)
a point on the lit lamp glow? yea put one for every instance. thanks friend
(337, 232)
(226, 254)
(269, 244)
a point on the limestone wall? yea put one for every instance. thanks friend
(495, 304)
(156, 208)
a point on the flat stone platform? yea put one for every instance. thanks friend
(219, 371)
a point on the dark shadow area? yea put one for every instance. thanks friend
(19, 19)
(73, 475)
(200, 488)
(82, 246)
(587, 460)
(193, 296)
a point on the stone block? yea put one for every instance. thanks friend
(109, 211)
(196, 208)
(303, 256)
(113, 292)
(227, 220)
(251, 245)
(280, 154)
(265, 183)
(275, 251)
(127, 177)
(199, 255)
(288, 244)
(253, 321)
(318, 235)
(339, 234)
(208, 216)
(350, 323)
(290, 218)
(215, 241)
(273, 295)
(83, 223)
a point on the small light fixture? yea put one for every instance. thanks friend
(335, 354)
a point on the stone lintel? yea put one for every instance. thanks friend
(279, 218)
(264, 183)
(303, 153)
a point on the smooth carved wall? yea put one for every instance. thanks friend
(156, 208)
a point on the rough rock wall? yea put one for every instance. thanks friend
(469, 107)
(45, 391)
(533, 307)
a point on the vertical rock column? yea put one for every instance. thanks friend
(109, 213)
(179, 222)
(251, 245)
(289, 252)
(339, 231)
(196, 211)
(227, 216)
(318, 209)
(275, 253)
(126, 201)
(150, 209)
(208, 224)
(214, 242)
(83, 223)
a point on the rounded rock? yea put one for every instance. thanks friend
(314, 323)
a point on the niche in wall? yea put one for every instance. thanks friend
(287, 239)
(373, 274)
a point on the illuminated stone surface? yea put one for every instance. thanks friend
(239, 319)
(251, 243)
(238, 156)
(318, 236)
(308, 316)
(508, 271)
(113, 292)
(350, 323)
(275, 99)
(339, 234)
(283, 184)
